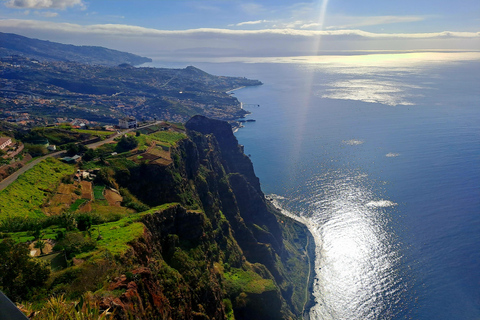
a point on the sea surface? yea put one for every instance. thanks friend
(381, 152)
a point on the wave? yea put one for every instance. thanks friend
(353, 142)
(392, 155)
(381, 204)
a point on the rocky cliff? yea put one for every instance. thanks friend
(203, 242)
(222, 251)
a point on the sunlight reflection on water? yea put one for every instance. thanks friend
(358, 262)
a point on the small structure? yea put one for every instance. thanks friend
(5, 142)
(73, 159)
(127, 123)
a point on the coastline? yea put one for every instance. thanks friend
(312, 253)
(235, 89)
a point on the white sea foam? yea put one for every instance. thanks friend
(381, 204)
(392, 155)
(353, 142)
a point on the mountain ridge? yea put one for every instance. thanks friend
(44, 50)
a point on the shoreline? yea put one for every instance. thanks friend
(235, 89)
(312, 254)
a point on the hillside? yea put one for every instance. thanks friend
(13, 44)
(172, 225)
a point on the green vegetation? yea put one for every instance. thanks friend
(77, 204)
(189, 251)
(126, 143)
(98, 192)
(116, 235)
(160, 208)
(55, 135)
(20, 274)
(98, 133)
(247, 281)
(130, 201)
(25, 196)
(167, 136)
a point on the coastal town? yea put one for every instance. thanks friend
(37, 93)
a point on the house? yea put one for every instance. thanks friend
(5, 142)
(127, 123)
(73, 159)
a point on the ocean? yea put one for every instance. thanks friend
(381, 153)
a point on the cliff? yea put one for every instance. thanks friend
(209, 247)
(223, 251)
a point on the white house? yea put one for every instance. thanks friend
(5, 142)
(127, 123)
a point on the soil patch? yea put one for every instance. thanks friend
(113, 198)
(86, 207)
(87, 191)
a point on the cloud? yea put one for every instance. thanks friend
(204, 42)
(250, 23)
(355, 22)
(348, 22)
(43, 4)
(130, 30)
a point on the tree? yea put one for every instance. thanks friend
(40, 244)
(36, 150)
(20, 274)
(90, 154)
(75, 148)
(127, 143)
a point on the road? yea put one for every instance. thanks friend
(8, 180)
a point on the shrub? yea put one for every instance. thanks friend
(126, 143)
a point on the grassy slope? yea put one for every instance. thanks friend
(25, 196)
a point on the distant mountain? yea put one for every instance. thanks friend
(13, 44)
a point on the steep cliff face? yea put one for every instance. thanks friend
(221, 252)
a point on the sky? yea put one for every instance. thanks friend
(183, 29)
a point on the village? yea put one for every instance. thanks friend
(36, 93)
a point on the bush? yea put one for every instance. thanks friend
(36, 150)
(130, 201)
(90, 154)
(126, 143)
(75, 243)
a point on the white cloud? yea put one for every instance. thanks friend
(130, 30)
(205, 42)
(43, 4)
(250, 23)
(347, 22)
(355, 22)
